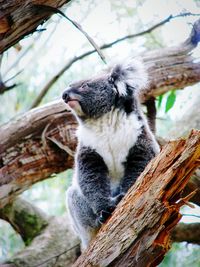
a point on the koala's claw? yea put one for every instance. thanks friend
(105, 214)
(119, 197)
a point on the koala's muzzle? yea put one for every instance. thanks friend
(70, 95)
(66, 96)
(72, 99)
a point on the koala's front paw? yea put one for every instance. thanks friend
(105, 214)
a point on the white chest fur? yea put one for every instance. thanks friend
(111, 136)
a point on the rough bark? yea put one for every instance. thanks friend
(137, 234)
(41, 142)
(25, 218)
(20, 18)
(42, 146)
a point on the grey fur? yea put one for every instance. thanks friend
(96, 102)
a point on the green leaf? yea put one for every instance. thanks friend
(160, 100)
(170, 101)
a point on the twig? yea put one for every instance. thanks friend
(3, 86)
(192, 215)
(56, 256)
(15, 75)
(54, 79)
(77, 25)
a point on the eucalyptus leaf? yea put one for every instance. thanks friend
(170, 101)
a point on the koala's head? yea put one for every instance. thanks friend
(118, 88)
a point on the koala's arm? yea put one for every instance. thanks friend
(93, 179)
(139, 156)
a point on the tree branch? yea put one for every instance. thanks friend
(137, 234)
(41, 132)
(54, 79)
(25, 218)
(56, 246)
(20, 18)
(187, 232)
(77, 25)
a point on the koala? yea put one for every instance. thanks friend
(115, 144)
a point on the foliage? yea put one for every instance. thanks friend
(170, 101)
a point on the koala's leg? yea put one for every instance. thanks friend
(94, 182)
(139, 156)
(84, 220)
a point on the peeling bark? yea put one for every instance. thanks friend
(43, 138)
(20, 18)
(137, 234)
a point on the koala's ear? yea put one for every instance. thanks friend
(131, 73)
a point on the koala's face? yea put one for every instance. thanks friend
(95, 97)
(91, 98)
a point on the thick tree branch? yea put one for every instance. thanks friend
(20, 18)
(25, 218)
(56, 246)
(44, 146)
(137, 234)
(48, 240)
(187, 232)
(68, 65)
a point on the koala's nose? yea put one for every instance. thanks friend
(65, 96)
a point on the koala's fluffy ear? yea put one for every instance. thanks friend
(131, 73)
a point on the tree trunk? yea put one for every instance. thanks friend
(20, 18)
(137, 234)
